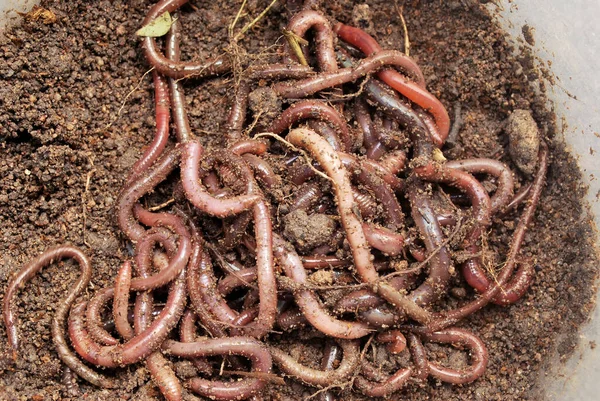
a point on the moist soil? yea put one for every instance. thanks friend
(76, 108)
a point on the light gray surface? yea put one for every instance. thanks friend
(567, 33)
(8, 8)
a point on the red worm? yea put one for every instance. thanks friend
(301, 23)
(60, 317)
(155, 149)
(172, 68)
(505, 190)
(331, 352)
(241, 278)
(264, 172)
(180, 256)
(383, 239)
(94, 319)
(463, 338)
(138, 347)
(192, 152)
(121, 301)
(313, 109)
(316, 377)
(331, 163)
(494, 291)
(263, 233)
(291, 319)
(144, 184)
(173, 53)
(161, 372)
(361, 300)
(415, 91)
(241, 389)
(187, 334)
(327, 132)
(375, 149)
(196, 264)
(306, 197)
(309, 302)
(248, 146)
(308, 86)
(440, 264)
(396, 342)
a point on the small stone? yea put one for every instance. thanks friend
(523, 140)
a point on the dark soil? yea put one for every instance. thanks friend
(76, 107)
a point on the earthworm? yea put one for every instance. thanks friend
(375, 149)
(301, 23)
(248, 146)
(494, 291)
(264, 172)
(172, 68)
(306, 197)
(519, 197)
(173, 53)
(94, 319)
(155, 149)
(331, 353)
(418, 354)
(161, 372)
(307, 109)
(308, 301)
(59, 319)
(197, 264)
(121, 301)
(180, 255)
(504, 192)
(237, 114)
(383, 239)
(464, 338)
(138, 347)
(396, 342)
(308, 86)
(394, 161)
(316, 377)
(440, 264)
(291, 319)
(392, 384)
(361, 300)
(144, 184)
(234, 231)
(331, 163)
(263, 233)
(234, 280)
(366, 203)
(245, 317)
(415, 91)
(247, 347)
(187, 334)
(327, 132)
(192, 152)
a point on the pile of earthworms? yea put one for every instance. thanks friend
(227, 277)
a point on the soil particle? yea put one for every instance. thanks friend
(308, 231)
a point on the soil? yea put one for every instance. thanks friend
(76, 107)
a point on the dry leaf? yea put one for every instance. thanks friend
(158, 27)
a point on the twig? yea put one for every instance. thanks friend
(88, 180)
(254, 21)
(304, 154)
(400, 11)
(161, 206)
(237, 17)
(127, 97)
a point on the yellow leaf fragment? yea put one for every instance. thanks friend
(157, 27)
(295, 42)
